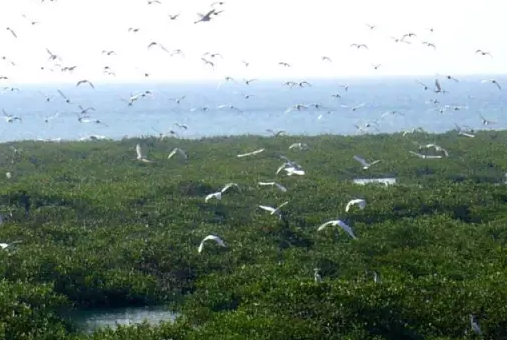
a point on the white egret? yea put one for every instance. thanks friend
(316, 275)
(274, 211)
(6, 245)
(217, 195)
(179, 151)
(279, 186)
(251, 153)
(217, 239)
(364, 163)
(140, 156)
(339, 223)
(361, 203)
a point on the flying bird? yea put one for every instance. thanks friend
(67, 100)
(10, 118)
(492, 81)
(274, 184)
(274, 211)
(12, 32)
(358, 46)
(339, 223)
(481, 52)
(364, 163)
(217, 239)
(179, 151)
(205, 17)
(250, 153)
(140, 155)
(84, 81)
(361, 203)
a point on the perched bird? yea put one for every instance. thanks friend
(316, 275)
(475, 325)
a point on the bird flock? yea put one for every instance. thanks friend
(87, 114)
(55, 63)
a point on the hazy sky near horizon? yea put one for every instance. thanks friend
(263, 32)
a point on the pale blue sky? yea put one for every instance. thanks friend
(263, 32)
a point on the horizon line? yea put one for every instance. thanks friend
(270, 79)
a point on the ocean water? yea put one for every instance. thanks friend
(264, 110)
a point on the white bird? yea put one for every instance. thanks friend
(475, 325)
(177, 150)
(217, 239)
(228, 186)
(420, 155)
(437, 148)
(361, 203)
(317, 277)
(10, 118)
(339, 223)
(364, 163)
(279, 186)
(292, 170)
(6, 245)
(274, 211)
(486, 121)
(251, 153)
(300, 146)
(216, 195)
(353, 108)
(140, 156)
(492, 81)
(228, 106)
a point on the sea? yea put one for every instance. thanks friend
(257, 109)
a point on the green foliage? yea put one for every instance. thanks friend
(106, 230)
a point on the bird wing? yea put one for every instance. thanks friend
(139, 152)
(437, 84)
(322, 226)
(346, 228)
(282, 205)
(171, 154)
(61, 94)
(361, 160)
(217, 195)
(281, 187)
(267, 208)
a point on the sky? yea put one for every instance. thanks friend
(262, 32)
